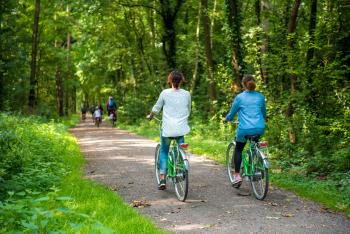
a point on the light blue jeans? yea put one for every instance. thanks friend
(164, 151)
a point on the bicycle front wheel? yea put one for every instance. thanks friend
(181, 176)
(260, 179)
(156, 164)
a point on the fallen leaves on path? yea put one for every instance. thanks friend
(287, 215)
(139, 203)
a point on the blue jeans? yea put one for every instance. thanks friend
(164, 151)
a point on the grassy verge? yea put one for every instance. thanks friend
(212, 143)
(42, 189)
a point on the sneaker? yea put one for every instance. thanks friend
(162, 185)
(237, 181)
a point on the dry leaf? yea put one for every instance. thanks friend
(139, 203)
(287, 215)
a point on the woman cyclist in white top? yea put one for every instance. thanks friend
(176, 105)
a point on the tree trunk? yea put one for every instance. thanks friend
(265, 46)
(196, 60)
(312, 27)
(258, 42)
(69, 90)
(291, 39)
(59, 92)
(212, 24)
(32, 80)
(208, 53)
(234, 22)
(310, 97)
(169, 15)
(293, 78)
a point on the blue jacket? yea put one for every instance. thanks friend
(251, 109)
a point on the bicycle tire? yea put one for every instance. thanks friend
(260, 180)
(230, 166)
(156, 164)
(181, 182)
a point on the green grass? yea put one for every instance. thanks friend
(102, 205)
(213, 144)
(322, 191)
(42, 185)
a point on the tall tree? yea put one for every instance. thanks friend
(196, 59)
(169, 12)
(32, 79)
(208, 53)
(265, 7)
(234, 21)
(312, 27)
(292, 25)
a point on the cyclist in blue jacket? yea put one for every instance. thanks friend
(251, 108)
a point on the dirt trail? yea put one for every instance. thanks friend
(124, 162)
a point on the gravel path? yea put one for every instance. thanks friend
(124, 162)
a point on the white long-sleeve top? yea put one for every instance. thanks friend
(97, 113)
(176, 104)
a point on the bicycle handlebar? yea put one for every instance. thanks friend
(159, 120)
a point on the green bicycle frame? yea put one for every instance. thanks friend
(173, 154)
(248, 168)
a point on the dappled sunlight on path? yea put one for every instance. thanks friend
(125, 163)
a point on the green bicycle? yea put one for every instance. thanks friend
(255, 165)
(178, 167)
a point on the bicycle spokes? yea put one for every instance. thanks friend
(259, 179)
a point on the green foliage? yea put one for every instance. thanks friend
(33, 154)
(41, 184)
(334, 193)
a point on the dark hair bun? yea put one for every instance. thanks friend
(175, 77)
(249, 82)
(251, 85)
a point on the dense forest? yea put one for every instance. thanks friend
(59, 55)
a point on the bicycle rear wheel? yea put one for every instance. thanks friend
(230, 165)
(181, 177)
(156, 164)
(260, 180)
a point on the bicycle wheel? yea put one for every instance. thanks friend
(260, 180)
(181, 177)
(156, 164)
(230, 165)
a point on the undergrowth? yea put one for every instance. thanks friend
(42, 189)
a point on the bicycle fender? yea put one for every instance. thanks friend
(187, 164)
(266, 163)
(185, 158)
(265, 160)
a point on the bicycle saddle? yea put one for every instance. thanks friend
(252, 137)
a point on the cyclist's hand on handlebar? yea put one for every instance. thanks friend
(150, 116)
